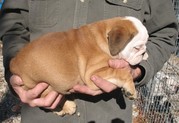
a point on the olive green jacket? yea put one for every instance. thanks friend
(22, 21)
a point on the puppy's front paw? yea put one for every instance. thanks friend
(69, 107)
(131, 95)
(129, 90)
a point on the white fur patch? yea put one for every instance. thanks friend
(135, 51)
(112, 80)
(116, 82)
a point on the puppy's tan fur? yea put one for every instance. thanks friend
(64, 59)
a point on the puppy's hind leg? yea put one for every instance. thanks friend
(68, 106)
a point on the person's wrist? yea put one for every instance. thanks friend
(139, 73)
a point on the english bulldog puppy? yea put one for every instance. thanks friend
(64, 59)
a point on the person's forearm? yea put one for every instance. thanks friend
(159, 52)
(14, 32)
(162, 28)
(12, 43)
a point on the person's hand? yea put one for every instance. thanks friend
(32, 96)
(104, 85)
(120, 63)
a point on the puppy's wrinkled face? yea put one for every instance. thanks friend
(135, 50)
(129, 45)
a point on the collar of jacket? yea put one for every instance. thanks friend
(15, 4)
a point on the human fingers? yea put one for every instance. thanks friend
(16, 83)
(26, 96)
(57, 101)
(86, 90)
(32, 96)
(118, 63)
(36, 91)
(104, 85)
(50, 101)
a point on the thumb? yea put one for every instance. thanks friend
(16, 80)
(118, 63)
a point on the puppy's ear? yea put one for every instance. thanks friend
(118, 38)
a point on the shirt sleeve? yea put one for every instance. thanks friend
(161, 24)
(14, 33)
